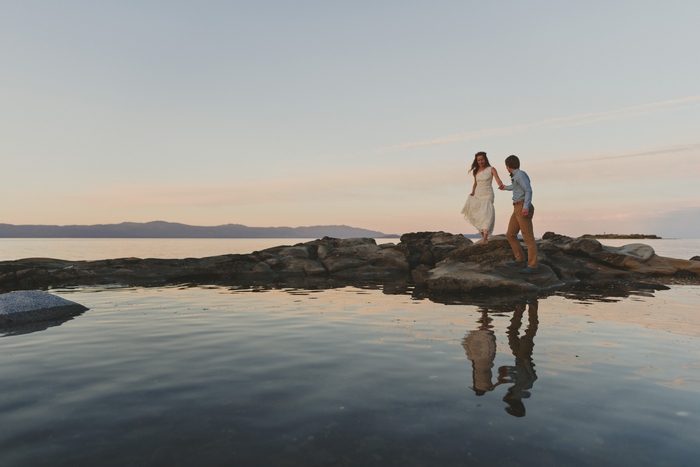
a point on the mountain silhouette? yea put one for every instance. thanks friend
(161, 229)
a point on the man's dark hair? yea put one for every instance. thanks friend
(513, 162)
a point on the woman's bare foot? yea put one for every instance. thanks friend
(484, 238)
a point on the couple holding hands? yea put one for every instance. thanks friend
(479, 211)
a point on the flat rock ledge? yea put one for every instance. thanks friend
(30, 306)
(563, 261)
(436, 261)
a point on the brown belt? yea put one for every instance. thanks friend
(519, 202)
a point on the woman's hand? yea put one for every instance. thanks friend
(471, 194)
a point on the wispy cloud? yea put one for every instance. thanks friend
(650, 152)
(560, 122)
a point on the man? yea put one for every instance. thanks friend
(521, 220)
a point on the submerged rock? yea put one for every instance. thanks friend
(31, 306)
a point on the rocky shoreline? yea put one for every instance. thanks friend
(437, 262)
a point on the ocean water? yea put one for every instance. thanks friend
(211, 376)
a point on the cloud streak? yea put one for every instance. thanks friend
(650, 152)
(560, 122)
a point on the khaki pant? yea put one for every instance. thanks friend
(518, 223)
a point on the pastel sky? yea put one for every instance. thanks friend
(367, 114)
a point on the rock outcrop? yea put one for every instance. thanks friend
(348, 259)
(563, 260)
(436, 261)
(29, 306)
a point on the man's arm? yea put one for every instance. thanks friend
(524, 181)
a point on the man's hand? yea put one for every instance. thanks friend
(525, 212)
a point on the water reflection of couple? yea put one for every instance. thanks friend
(480, 345)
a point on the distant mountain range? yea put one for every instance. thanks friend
(160, 229)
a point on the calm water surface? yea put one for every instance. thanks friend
(350, 376)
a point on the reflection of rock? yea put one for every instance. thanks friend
(437, 261)
(19, 309)
(28, 328)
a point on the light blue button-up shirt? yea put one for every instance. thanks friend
(522, 191)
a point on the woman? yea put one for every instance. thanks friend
(478, 209)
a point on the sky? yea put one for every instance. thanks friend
(363, 113)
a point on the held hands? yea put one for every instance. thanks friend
(501, 187)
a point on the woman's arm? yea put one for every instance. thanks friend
(474, 187)
(498, 179)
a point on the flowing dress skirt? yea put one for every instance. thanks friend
(478, 209)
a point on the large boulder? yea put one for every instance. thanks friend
(429, 248)
(349, 258)
(29, 306)
(450, 276)
(363, 259)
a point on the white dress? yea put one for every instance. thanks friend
(478, 209)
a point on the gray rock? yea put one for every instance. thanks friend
(420, 274)
(29, 306)
(638, 251)
(429, 248)
(313, 268)
(336, 261)
(451, 276)
(263, 267)
(491, 239)
(434, 260)
(295, 252)
(584, 245)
